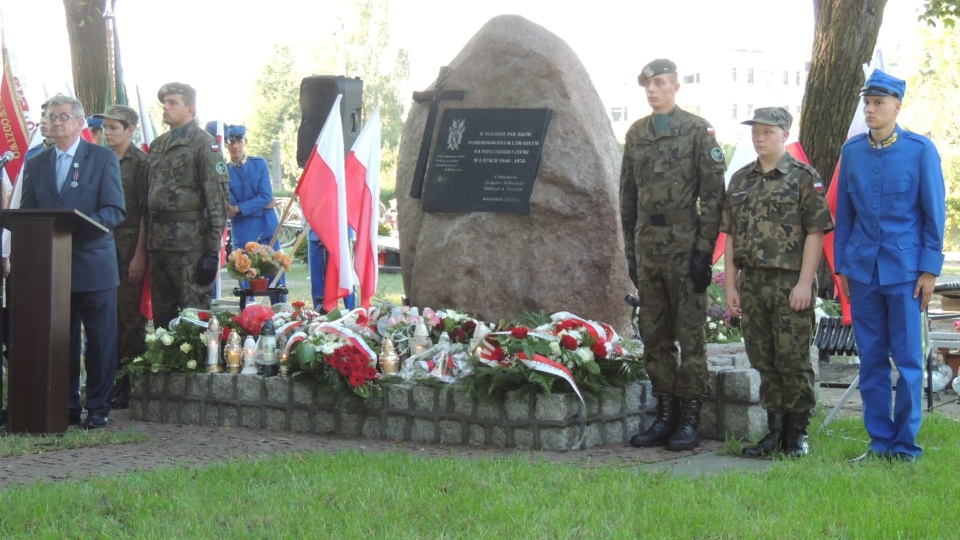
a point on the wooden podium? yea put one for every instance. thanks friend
(40, 276)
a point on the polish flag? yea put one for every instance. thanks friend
(146, 124)
(363, 209)
(323, 199)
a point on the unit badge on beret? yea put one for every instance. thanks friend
(648, 71)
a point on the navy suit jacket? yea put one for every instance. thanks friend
(98, 194)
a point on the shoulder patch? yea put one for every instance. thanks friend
(711, 132)
(716, 154)
(214, 147)
(221, 168)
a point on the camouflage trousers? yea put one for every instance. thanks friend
(173, 284)
(778, 339)
(131, 324)
(672, 313)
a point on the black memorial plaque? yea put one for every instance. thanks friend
(486, 160)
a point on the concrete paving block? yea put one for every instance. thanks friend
(396, 425)
(153, 411)
(278, 389)
(250, 417)
(398, 397)
(324, 422)
(424, 398)
(523, 438)
(249, 388)
(155, 383)
(633, 398)
(350, 425)
(276, 418)
(611, 403)
(451, 432)
(300, 421)
(176, 384)
(615, 432)
(498, 436)
(325, 398)
(742, 385)
(190, 413)
(302, 391)
(424, 430)
(211, 416)
(517, 407)
(558, 439)
(223, 387)
(743, 421)
(709, 423)
(487, 410)
(463, 404)
(554, 407)
(592, 437)
(231, 416)
(478, 435)
(371, 427)
(170, 412)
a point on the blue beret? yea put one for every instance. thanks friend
(236, 132)
(211, 127)
(881, 84)
(94, 123)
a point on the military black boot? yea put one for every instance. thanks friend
(661, 428)
(121, 393)
(686, 437)
(795, 436)
(770, 442)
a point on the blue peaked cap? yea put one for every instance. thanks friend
(236, 132)
(211, 127)
(94, 123)
(881, 84)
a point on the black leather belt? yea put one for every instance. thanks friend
(669, 218)
(170, 217)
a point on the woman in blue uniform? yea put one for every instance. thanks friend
(252, 216)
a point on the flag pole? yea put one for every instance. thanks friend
(283, 219)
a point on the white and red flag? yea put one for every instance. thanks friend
(363, 209)
(323, 199)
(146, 124)
(12, 105)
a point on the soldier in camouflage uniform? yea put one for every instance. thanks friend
(187, 201)
(119, 123)
(775, 216)
(671, 193)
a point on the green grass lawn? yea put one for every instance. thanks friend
(403, 495)
(18, 445)
(390, 286)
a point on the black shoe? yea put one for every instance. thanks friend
(870, 455)
(121, 394)
(686, 436)
(661, 429)
(770, 442)
(904, 457)
(3, 417)
(73, 417)
(795, 434)
(95, 420)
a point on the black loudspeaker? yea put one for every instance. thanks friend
(317, 94)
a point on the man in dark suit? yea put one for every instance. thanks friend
(86, 177)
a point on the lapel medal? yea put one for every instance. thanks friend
(76, 174)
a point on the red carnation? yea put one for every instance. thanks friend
(458, 335)
(469, 326)
(298, 304)
(568, 342)
(519, 332)
(497, 354)
(599, 350)
(204, 316)
(440, 327)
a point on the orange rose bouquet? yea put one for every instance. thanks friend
(255, 261)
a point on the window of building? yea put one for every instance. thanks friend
(796, 109)
(749, 109)
(734, 111)
(618, 114)
(798, 78)
(734, 74)
(750, 76)
(786, 78)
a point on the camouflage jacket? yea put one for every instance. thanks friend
(770, 215)
(133, 174)
(187, 174)
(669, 175)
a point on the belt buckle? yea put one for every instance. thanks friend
(658, 219)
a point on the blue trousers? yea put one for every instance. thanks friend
(317, 257)
(97, 311)
(888, 323)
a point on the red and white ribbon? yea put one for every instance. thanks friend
(348, 335)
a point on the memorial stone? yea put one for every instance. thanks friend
(566, 252)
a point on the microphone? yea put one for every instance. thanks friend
(7, 158)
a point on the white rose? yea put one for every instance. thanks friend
(554, 347)
(161, 331)
(186, 347)
(191, 364)
(712, 326)
(151, 338)
(721, 337)
(167, 339)
(585, 354)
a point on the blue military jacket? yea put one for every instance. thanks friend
(250, 190)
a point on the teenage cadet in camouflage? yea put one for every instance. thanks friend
(187, 203)
(671, 193)
(119, 122)
(775, 216)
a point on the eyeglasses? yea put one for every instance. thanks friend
(63, 117)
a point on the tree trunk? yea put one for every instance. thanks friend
(845, 35)
(87, 32)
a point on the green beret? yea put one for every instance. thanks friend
(176, 88)
(657, 67)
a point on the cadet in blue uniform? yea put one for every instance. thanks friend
(252, 217)
(889, 249)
